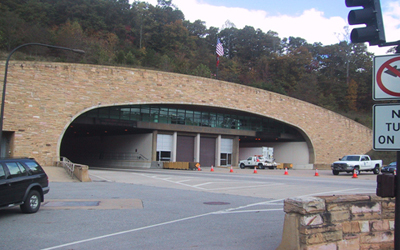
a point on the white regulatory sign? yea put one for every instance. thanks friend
(386, 79)
(386, 127)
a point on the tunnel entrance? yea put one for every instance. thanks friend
(139, 135)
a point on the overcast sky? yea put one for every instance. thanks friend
(314, 20)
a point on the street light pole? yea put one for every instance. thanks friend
(5, 79)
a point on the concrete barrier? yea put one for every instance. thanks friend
(180, 165)
(176, 165)
(81, 172)
(284, 165)
(303, 166)
(338, 222)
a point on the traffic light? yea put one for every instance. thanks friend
(371, 16)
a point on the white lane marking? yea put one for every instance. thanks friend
(165, 179)
(102, 178)
(202, 184)
(152, 226)
(225, 211)
(249, 211)
(198, 186)
(279, 200)
(127, 231)
(346, 191)
(184, 180)
(175, 182)
(242, 187)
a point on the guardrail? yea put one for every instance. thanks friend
(67, 165)
(76, 170)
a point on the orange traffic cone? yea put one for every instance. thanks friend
(199, 168)
(212, 168)
(316, 172)
(231, 171)
(354, 174)
(255, 170)
(286, 172)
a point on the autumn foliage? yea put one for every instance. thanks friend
(114, 32)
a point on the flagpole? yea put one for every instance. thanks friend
(217, 67)
(220, 52)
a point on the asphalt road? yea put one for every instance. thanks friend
(170, 209)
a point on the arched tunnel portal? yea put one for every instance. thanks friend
(125, 135)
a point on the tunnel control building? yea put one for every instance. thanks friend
(124, 117)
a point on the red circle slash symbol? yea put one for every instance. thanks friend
(393, 71)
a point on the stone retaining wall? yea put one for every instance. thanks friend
(338, 222)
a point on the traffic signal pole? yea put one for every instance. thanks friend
(397, 206)
(374, 33)
(371, 16)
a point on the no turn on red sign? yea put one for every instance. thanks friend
(386, 127)
(386, 79)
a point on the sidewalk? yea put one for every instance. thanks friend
(58, 174)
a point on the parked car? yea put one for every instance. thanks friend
(258, 161)
(23, 183)
(356, 164)
(389, 169)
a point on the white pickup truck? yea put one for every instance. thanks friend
(259, 162)
(356, 164)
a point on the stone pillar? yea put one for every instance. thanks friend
(218, 151)
(154, 146)
(174, 146)
(235, 151)
(197, 148)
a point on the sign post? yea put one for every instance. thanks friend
(386, 117)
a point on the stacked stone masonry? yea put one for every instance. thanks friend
(342, 222)
(43, 98)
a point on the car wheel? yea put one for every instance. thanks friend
(356, 171)
(241, 165)
(260, 166)
(32, 202)
(335, 172)
(376, 170)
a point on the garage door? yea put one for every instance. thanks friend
(207, 151)
(185, 149)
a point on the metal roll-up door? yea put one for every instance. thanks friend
(207, 151)
(185, 148)
(226, 152)
(164, 147)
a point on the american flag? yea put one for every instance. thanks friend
(219, 50)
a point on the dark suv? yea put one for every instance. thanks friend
(22, 182)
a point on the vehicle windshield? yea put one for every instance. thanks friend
(351, 158)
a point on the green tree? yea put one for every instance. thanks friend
(202, 70)
(165, 64)
(11, 27)
(289, 69)
(352, 95)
